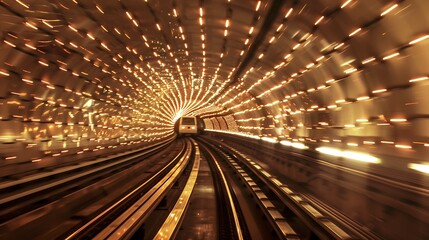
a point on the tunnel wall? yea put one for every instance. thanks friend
(351, 77)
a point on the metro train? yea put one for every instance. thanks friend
(189, 125)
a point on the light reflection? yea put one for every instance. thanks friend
(424, 168)
(293, 144)
(363, 157)
(269, 139)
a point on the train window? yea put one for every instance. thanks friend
(188, 121)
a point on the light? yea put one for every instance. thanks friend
(424, 168)
(72, 28)
(398, 120)
(363, 157)
(362, 120)
(269, 139)
(330, 151)
(99, 9)
(379, 90)
(31, 25)
(23, 4)
(4, 73)
(362, 98)
(288, 13)
(338, 46)
(388, 10)
(27, 81)
(251, 30)
(358, 156)
(350, 70)
(319, 20)
(368, 60)
(9, 43)
(346, 3)
(309, 65)
(129, 15)
(90, 36)
(258, 5)
(286, 143)
(355, 31)
(299, 146)
(391, 56)
(403, 146)
(419, 79)
(419, 39)
(296, 46)
(293, 144)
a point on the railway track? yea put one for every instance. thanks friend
(279, 227)
(288, 211)
(30, 192)
(393, 193)
(127, 217)
(73, 192)
(123, 218)
(229, 214)
(250, 202)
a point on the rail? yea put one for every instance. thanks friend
(126, 215)
(172, 224)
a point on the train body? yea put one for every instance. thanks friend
(188, 125)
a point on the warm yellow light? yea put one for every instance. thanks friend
(269, 139)
(359, 156)
(379, 90)
(424, 168)
(388, 10)
(390, 56)
(419, 39)
(345, 3)
(419, 79)
(319, 20)
(355, 31)
(258, 5)
(398, 120)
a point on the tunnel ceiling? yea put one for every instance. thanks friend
(329, 71)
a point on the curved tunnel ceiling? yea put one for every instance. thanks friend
(351, 73)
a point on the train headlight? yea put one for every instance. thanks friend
(183, 127)
(193, 127)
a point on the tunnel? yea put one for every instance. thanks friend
(315, 117)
